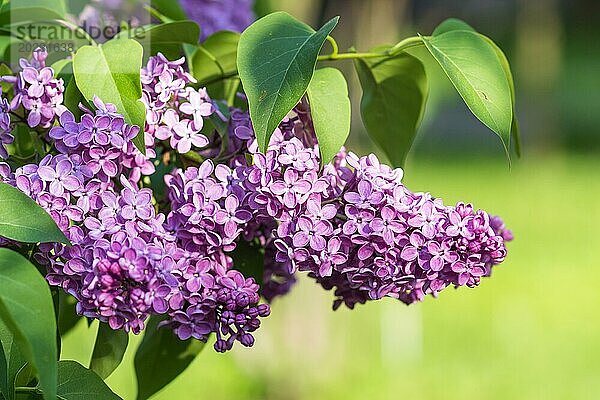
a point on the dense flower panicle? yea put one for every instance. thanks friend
(175, 111)
(354, 226)
(203, 292)
(127, 261)
(37, 90)
(113, 267)
(219, 15)
(5, 127)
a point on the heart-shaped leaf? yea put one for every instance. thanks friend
(31, 224)
(276, 60)
(453, 24)
(473, 67)
(216, 57)
(330, 109)
(75, 382)
(27, 310)
(393, 102)
(112, 72)
(109, 350)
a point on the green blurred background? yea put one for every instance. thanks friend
(527, 333)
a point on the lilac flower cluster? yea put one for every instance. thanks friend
(37, 90)
(5, 127)
(127, 261)
(175, 111)
(219, 15)
(204, 293)
(402, 244)
(355, 227)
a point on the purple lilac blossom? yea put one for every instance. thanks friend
(355, 228)
(36, 89)
(219, 15)
(175, 111)
(127, 261)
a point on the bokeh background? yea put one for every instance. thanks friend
(529, 332)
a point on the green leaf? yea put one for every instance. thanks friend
(75, 382)
(31, 10)
(393, 102)
(109, 350)
(27, 310)
(166, 38)
(5, 70)
(169, 8)
(161, 357)
(31, 224)
(216, 57)
(330, 109)
(63, 69)
(67, 314)
(453, 24)
(515, 132)
(474, 69)
(24, 141)
(277, 56)
(14, 362)
(112, 72)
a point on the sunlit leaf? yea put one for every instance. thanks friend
(473, 67)
(31, 224)
(330, 110)
(112, 72)
(276, 60)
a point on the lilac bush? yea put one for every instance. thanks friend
(180, 198)
(352, 225)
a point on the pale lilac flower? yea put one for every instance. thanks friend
(198, 106)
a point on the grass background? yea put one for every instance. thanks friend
(529, 332)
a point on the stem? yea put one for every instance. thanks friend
(156, 14)
(348, 56)
(334, 45)
(222, 77)
(79, 29)
(407, 43)
(400, 47)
